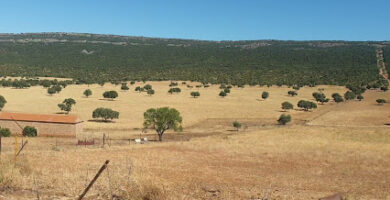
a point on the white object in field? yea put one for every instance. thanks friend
(146, 139)
(138, 141)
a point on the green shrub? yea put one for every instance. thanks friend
(5, 132)
(30, 131)
(265, 95)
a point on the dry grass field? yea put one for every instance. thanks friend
(336, 148)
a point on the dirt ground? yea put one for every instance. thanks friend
(341, 147)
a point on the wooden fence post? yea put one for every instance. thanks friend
(104, 139)
(104, 166)
(23, 144)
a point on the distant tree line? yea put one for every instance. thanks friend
(144, 59)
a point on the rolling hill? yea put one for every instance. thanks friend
(91, 58)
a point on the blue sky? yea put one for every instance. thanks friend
(204, 19)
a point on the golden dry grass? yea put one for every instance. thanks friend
(341, 148)
(241, 103)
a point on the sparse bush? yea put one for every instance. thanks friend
(30, 131)
(237, 125)
(292, 93)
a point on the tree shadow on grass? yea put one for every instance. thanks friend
(107, 99)
(61, 113)
(232, 130)
(101, 121)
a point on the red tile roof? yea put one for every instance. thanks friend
(65, 119)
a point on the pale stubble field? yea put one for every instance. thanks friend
(337, 148)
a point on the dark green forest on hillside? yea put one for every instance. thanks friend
(386, 57)
(94, 58)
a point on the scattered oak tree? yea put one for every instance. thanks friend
(51, 91)
(360, 97)
(307, 105)
(124, 86)
(295, 87)
(287, 106)
(2, 102)
(147, 87)
(381, 101)
(337, 97)
(67, 104)
(237, 125)
(222, 94)
(30, 131)
(292, 93)
(162, 119)
(195, 94)
(87, 93)
(174, 90)
(150, 92)
(172, 84)
(320, 97)
(284, 119)
(110, 94)
(105, 114)
(5, 132)
(349, 95)
(264, 95)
